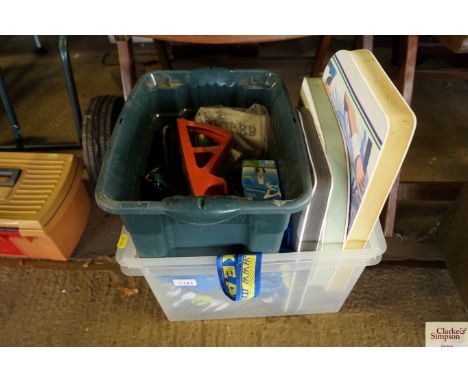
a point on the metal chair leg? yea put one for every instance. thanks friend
(40, 49)
(10, 112)
(70, 82)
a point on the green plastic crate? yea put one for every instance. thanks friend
(196, 226)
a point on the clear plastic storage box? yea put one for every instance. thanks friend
(187, 288)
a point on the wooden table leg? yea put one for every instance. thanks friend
(366, 42)
(405, 85)
(127, 63)
(405, 79)
(324, 43)
(162, 55)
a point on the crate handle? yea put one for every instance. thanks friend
(8, 176)
(202, 210)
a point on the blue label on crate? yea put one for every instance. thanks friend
(240, 275)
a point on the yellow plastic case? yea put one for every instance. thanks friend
(44, 205)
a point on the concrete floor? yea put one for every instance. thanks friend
(68, 304)
(389, 305)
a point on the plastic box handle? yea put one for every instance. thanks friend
(202, 210)
(8, 176)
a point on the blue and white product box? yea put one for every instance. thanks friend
(260, 180)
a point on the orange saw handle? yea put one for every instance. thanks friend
(201, 177)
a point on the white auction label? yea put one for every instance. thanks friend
(185, 282)
(447, 334)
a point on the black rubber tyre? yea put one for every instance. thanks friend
(98, 122)
(111, 108)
